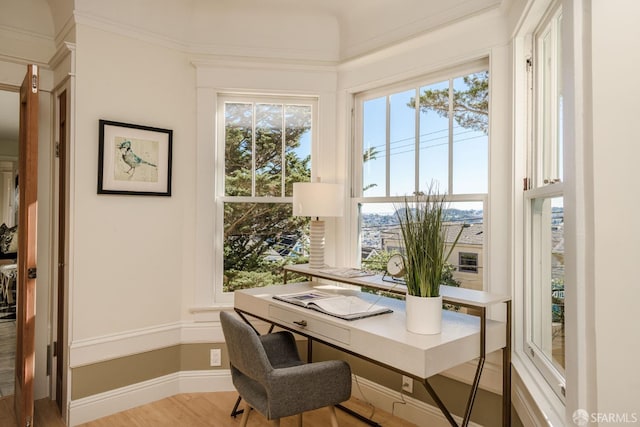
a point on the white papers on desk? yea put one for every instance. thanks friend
(346, 307)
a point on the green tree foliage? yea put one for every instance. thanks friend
(377, 262)
(470, 106)
(254, 230)
(370, 154)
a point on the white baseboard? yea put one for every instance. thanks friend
(108, 403)
(400, 405)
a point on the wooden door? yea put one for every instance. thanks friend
(59, 344)
(28, 206)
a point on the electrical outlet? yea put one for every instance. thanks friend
(216, 357)
(407, 384)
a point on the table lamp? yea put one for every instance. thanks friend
(317, 199)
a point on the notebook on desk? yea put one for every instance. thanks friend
(347, 307)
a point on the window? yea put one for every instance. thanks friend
(266, 148)
(468, 262)
(544, 208)
(432, 131)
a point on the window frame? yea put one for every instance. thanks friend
(470, 67)
(468, 268)
(543, 140)
(361, 97)
(555, 379)
(220, 197)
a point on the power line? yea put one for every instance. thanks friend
(383, 155)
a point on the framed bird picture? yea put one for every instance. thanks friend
(134, 159)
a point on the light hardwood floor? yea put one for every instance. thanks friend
(7, 357)
(45, 414)
(199, 410)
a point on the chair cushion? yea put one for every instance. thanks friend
(269, 375)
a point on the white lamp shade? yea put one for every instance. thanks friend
(317, 199)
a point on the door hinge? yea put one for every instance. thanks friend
(529, 64)
(32, 273)
(57, 149)
(34, 78)
(27, 422)
(49, 360)
(526, 184)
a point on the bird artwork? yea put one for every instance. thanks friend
(132, 159)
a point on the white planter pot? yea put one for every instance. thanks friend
(424, 314)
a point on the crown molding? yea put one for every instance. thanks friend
(64, 50)
(247, 62)
(15, 41)
(112, 26)
(212, 50)
(22, 34)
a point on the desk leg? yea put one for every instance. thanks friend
(362, 418)
(439, 402)
(476, 380)
(470, 401)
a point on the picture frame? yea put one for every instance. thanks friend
(134, 159)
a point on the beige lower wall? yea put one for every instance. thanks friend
(487, 409)
(112, 374)
(125, 371)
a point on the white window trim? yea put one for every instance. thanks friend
(495, 275)
(247, 77)
(530, 391)
(366, 95)
(556, 382)
(220, 198)
(358, 99)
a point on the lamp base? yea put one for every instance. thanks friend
(316, 244)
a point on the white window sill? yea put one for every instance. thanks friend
(534, 400)
(210, 313)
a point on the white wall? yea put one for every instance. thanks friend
(132, 255)
(614, 197)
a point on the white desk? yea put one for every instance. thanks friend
(384, 339)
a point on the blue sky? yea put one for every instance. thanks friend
(470, 148)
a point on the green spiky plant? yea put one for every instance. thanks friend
(423, 231)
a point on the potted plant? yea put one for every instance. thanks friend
(426, 252)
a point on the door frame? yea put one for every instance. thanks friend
(59, 342)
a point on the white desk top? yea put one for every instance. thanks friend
(449, 293)
(382, 338)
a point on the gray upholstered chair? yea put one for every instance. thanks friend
(270, 377)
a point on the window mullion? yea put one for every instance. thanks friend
(253, 149)
(388, 147)
(417, 140)
(284, 151)
(450, 139)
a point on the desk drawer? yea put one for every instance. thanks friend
(313, 327)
